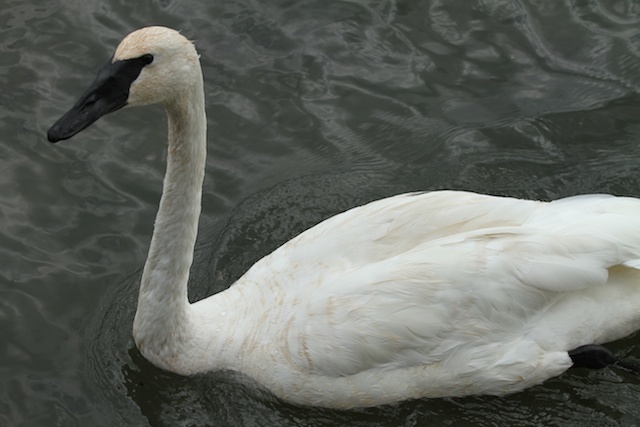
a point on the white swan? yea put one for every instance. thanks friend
(418, 295)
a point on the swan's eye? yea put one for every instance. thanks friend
(147, 59)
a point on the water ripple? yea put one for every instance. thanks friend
(314, 107)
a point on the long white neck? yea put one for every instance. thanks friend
(162, 322)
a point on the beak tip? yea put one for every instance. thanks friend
(53, 136)
(65, 128)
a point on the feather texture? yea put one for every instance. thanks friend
(461, 292)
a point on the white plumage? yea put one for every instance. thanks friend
(419, 295)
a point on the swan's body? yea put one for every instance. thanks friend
(418, 295)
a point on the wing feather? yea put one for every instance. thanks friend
(431, 278)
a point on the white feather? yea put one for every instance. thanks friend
(419, 295)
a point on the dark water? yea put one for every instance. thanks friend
(314, 107)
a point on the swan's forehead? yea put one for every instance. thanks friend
(149, 40)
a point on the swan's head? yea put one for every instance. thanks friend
(151, 65)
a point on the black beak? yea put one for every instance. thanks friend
(109, 92)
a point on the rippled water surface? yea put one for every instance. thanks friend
(314, 107)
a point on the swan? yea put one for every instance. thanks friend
(420, 295)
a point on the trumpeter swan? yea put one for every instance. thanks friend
(434, 294)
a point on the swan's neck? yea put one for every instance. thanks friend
(162, 323)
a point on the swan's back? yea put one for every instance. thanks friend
(392, 226)
(440, 294)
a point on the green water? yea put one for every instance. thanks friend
(314, 107)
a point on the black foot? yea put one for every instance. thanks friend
(592, 356)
